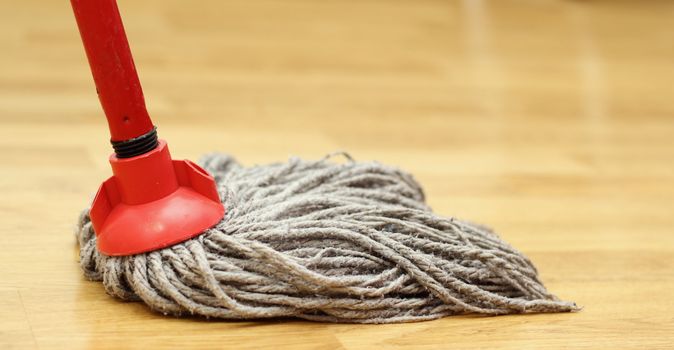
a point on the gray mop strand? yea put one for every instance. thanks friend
(325, 241)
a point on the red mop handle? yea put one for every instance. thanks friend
(152, 201)
(112, 66)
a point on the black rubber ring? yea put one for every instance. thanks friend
(137, 145)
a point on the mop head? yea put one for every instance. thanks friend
(325, 241)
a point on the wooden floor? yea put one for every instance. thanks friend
(551, 121)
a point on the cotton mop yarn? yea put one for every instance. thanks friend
(325, 241)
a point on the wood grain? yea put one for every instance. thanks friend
(552, 121)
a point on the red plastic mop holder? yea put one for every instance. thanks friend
(151, 201)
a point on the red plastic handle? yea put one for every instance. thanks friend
(112, 66)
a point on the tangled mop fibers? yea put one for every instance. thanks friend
(324, 241)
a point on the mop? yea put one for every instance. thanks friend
(331, 240)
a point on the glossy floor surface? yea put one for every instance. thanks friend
(551, 121)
